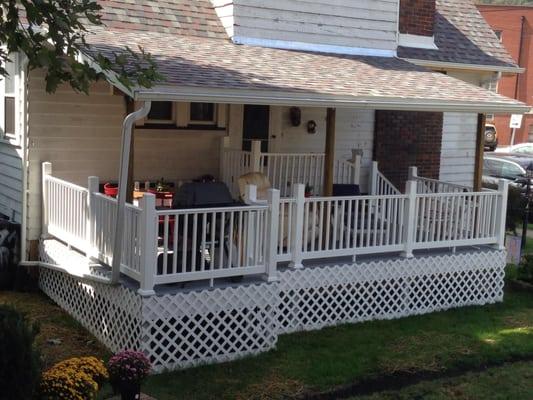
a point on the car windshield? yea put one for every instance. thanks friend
(526, 149)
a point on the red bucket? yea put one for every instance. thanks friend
(111, 189)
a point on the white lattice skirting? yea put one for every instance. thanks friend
(188, 328)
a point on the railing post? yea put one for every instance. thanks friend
(409, 222)
(256, 156)
(412, 173)
(224, 144)
(501, 213)
(148, 234)
(93, 186)
(297, 227)
(356, 160)
(373, 183)
(46, 171)
(250, 194)
(272, 236)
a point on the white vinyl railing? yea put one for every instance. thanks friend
(65, 210)
(211, 243)
(379, 184)
(285, 170)
(169, 246)
(428, 185)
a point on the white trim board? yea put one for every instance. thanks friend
(417, 41)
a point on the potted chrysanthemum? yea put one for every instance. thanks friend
(127, 370)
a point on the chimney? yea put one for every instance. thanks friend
(417, 17)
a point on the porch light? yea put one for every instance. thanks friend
(296, 116)
(311, 127)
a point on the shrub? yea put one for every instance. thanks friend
(19, 358)
(73, 379)
(128, 366)
(525, 270)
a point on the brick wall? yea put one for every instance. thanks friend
(407, 138)
(417, 17)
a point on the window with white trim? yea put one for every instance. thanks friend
(202, 114)
(8, 96)
(161, 112)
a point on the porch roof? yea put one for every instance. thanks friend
(217, 70)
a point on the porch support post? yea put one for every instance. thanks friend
(409, 219)
(356, 160)
(127, 128)
(480, 147)
(329, 159)
(297, 227)
(412, 173)
(501, 213)
(256, 156)
(373, 183)
(148, 235)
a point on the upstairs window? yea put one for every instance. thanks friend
(7, 99)
(202, 113)
(161, 112)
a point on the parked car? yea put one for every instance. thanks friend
(491, 137)
(510, 167)
(521, 148)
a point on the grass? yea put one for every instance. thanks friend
(511, 381)
(321, 360)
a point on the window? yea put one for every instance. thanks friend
(161, 112)
(499, 35)
(511, 171)
(202, 113)
(524, 149)
(7, 97)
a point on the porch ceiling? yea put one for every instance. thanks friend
(216, 70)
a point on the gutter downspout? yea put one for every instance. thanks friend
(127, 128)
(25, 169)
(517, 82)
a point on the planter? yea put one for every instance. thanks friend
(129, 390)
(111, 189)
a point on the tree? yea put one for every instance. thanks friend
(51, 34)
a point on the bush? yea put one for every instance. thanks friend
(525, 270)
(128, 366)
(516, 204)
(73, 379)
(19, 359)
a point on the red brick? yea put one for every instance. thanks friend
(417, 17)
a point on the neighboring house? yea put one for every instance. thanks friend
(306, 93)
(513, 25)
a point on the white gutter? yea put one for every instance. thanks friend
(127, 128)
(467, 67)
(229, 96)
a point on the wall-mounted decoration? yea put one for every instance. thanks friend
(311, 127)
(296, 116)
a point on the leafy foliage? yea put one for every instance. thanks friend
(19, 359)
(525, 270)
(51, 34)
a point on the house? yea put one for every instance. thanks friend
(512, 25)
(382, 99)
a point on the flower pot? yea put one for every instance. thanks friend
(111, 189)
(129, 390)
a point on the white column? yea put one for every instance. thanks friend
(373, 183)
(46, 171)
(93, 186)
(412, 173)
(356, 160)
(297, 227)
(256, 156)
(501, 213)
(409, 222)
(272, 236)
(148, 233)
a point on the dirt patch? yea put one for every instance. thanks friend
(60, 336)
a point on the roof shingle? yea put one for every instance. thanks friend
(462, 36)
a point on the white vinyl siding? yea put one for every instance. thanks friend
(81, 136)
(458, 148)
(370, 24)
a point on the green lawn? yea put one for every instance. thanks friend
(511, 381)
(321, 360)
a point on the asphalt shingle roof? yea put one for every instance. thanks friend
(212, 63)
(462, 36)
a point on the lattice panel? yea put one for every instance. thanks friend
(208, 326)
(111, 313)
(324, 296)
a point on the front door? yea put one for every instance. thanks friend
(255, 126)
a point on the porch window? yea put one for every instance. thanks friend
(162, 112)
(202, 113)
(7, 97)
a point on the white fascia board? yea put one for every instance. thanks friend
(461, 66)
(235, 96)
(417, 41)
(313, 47)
